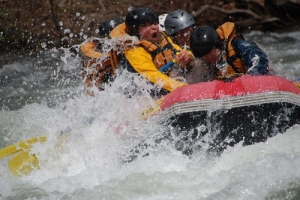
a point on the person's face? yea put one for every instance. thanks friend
(213, 56)
(149, 32)
(183, 36)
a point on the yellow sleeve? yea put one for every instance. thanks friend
(88, 49)
(142, 62)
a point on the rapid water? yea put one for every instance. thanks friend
(87, 137)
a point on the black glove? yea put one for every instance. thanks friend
(230, 77)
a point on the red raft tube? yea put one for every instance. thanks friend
(248, 109)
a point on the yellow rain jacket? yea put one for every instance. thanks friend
(147, 58)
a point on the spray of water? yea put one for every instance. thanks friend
(91, 139)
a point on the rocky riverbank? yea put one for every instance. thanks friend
(32, 25)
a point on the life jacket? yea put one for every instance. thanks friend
(98, 68)
(227, 33)
(161, 53)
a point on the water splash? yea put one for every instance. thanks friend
(88, 139)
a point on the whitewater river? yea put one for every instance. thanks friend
(89, 137)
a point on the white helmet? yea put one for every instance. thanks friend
(161, 21)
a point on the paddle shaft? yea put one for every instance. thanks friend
(167, 67)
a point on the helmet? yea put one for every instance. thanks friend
(203, 40)
(178, 20)
(161, 20)
(138, 17)
(108, 25)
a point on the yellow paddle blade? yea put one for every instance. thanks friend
(28, 143)
(152, 109)
(23, 163)
(9, 150)
(24, 145)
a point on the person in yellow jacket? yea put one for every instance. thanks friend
(98, 67)
(152, 51)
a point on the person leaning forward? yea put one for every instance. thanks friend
(229, 54)
(153, 50)
(179, 25)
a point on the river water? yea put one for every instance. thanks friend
(87, 137)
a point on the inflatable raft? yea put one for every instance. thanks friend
(210, 115)
(216, 114)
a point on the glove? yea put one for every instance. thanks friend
(230, 77)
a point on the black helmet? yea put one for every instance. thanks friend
(138, 17)
(178, 20)
(108, 25)
(203, 40)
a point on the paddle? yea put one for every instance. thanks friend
(165, 68)
(151, 110)
(22, 162)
